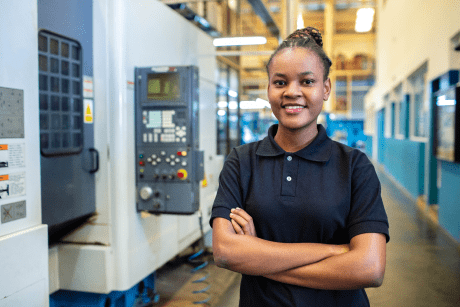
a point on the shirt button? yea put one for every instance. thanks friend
(289, 158)
(288, 178)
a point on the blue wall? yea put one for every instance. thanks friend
(352, 128)
(449, 198)
(405, 161)
(368, 149)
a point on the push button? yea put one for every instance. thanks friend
(182, 174)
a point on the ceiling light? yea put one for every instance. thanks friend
(300, 22)
(364, 19)
(232, 93)
(258, 104)
(239, 41)
(442, 101)
(222, 104)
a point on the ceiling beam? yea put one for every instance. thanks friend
(260, 9)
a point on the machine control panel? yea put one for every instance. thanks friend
(169, 164)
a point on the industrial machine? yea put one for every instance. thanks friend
(169, 164)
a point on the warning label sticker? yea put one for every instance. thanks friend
(88, 111)
(12, 185)
(12, 155)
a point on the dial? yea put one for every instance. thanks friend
(146, 193)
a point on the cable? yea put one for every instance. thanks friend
(199, 265)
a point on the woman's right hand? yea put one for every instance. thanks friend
(242, 222)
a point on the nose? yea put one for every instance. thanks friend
(293, 90)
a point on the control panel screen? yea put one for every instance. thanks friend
(163, 86)
(154, 120)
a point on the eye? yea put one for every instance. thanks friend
(279, 82)
(308, 81)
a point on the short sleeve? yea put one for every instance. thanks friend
(229, 193)
(367, 212)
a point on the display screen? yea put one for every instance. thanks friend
(163, 86)
(446, 104)
(154, 119)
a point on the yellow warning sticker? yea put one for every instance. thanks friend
(88, 116)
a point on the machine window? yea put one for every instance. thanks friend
(60, 95)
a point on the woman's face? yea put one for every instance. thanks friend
(296, 89)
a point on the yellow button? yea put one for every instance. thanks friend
(182, 174)
(184, 153)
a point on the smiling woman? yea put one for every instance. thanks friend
(299, 215)
(296, 92)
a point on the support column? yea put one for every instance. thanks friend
(328, 38)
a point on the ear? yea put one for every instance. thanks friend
(327, 89)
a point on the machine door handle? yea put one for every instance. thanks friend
(95, 160)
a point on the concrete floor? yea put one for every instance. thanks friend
(423, 263)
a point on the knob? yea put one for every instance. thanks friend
(146, 193)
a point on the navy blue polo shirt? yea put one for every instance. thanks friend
(326, 193)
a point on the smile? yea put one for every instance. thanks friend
(293, 109)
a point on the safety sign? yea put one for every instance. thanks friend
(88, 111)
(12, 155)
(12, 185)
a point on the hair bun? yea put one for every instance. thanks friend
(308, 32)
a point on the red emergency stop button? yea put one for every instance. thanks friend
(141, 163)
(182, 174)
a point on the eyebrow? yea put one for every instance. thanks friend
(306, 73)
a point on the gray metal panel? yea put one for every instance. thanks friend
(73, 19)
(67, 180)
(11, 113)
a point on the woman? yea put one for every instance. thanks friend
(299, 215)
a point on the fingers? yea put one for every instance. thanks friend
(244, 220)
(242, 213)
(237, 228)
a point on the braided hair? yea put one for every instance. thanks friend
(308, 38)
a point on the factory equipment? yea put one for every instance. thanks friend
(68, 158)
(169, 164)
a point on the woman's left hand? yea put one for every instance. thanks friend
(242, 222)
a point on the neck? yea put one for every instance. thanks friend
(295, 140)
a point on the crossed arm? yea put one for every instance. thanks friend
(321, 266)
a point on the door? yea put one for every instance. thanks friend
(68, 158)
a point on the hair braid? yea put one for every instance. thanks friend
(308, 38)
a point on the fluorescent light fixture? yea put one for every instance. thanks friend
(258, 104)
(222, 104)
(232, 93)
(364, 19)
(233, 105)
(442, 101)
(300, 22)
(221, 112)
(239, 41)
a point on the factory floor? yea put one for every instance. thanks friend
(423, 265)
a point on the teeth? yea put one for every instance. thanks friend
(293, 107)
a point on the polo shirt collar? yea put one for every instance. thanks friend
(319, 150)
